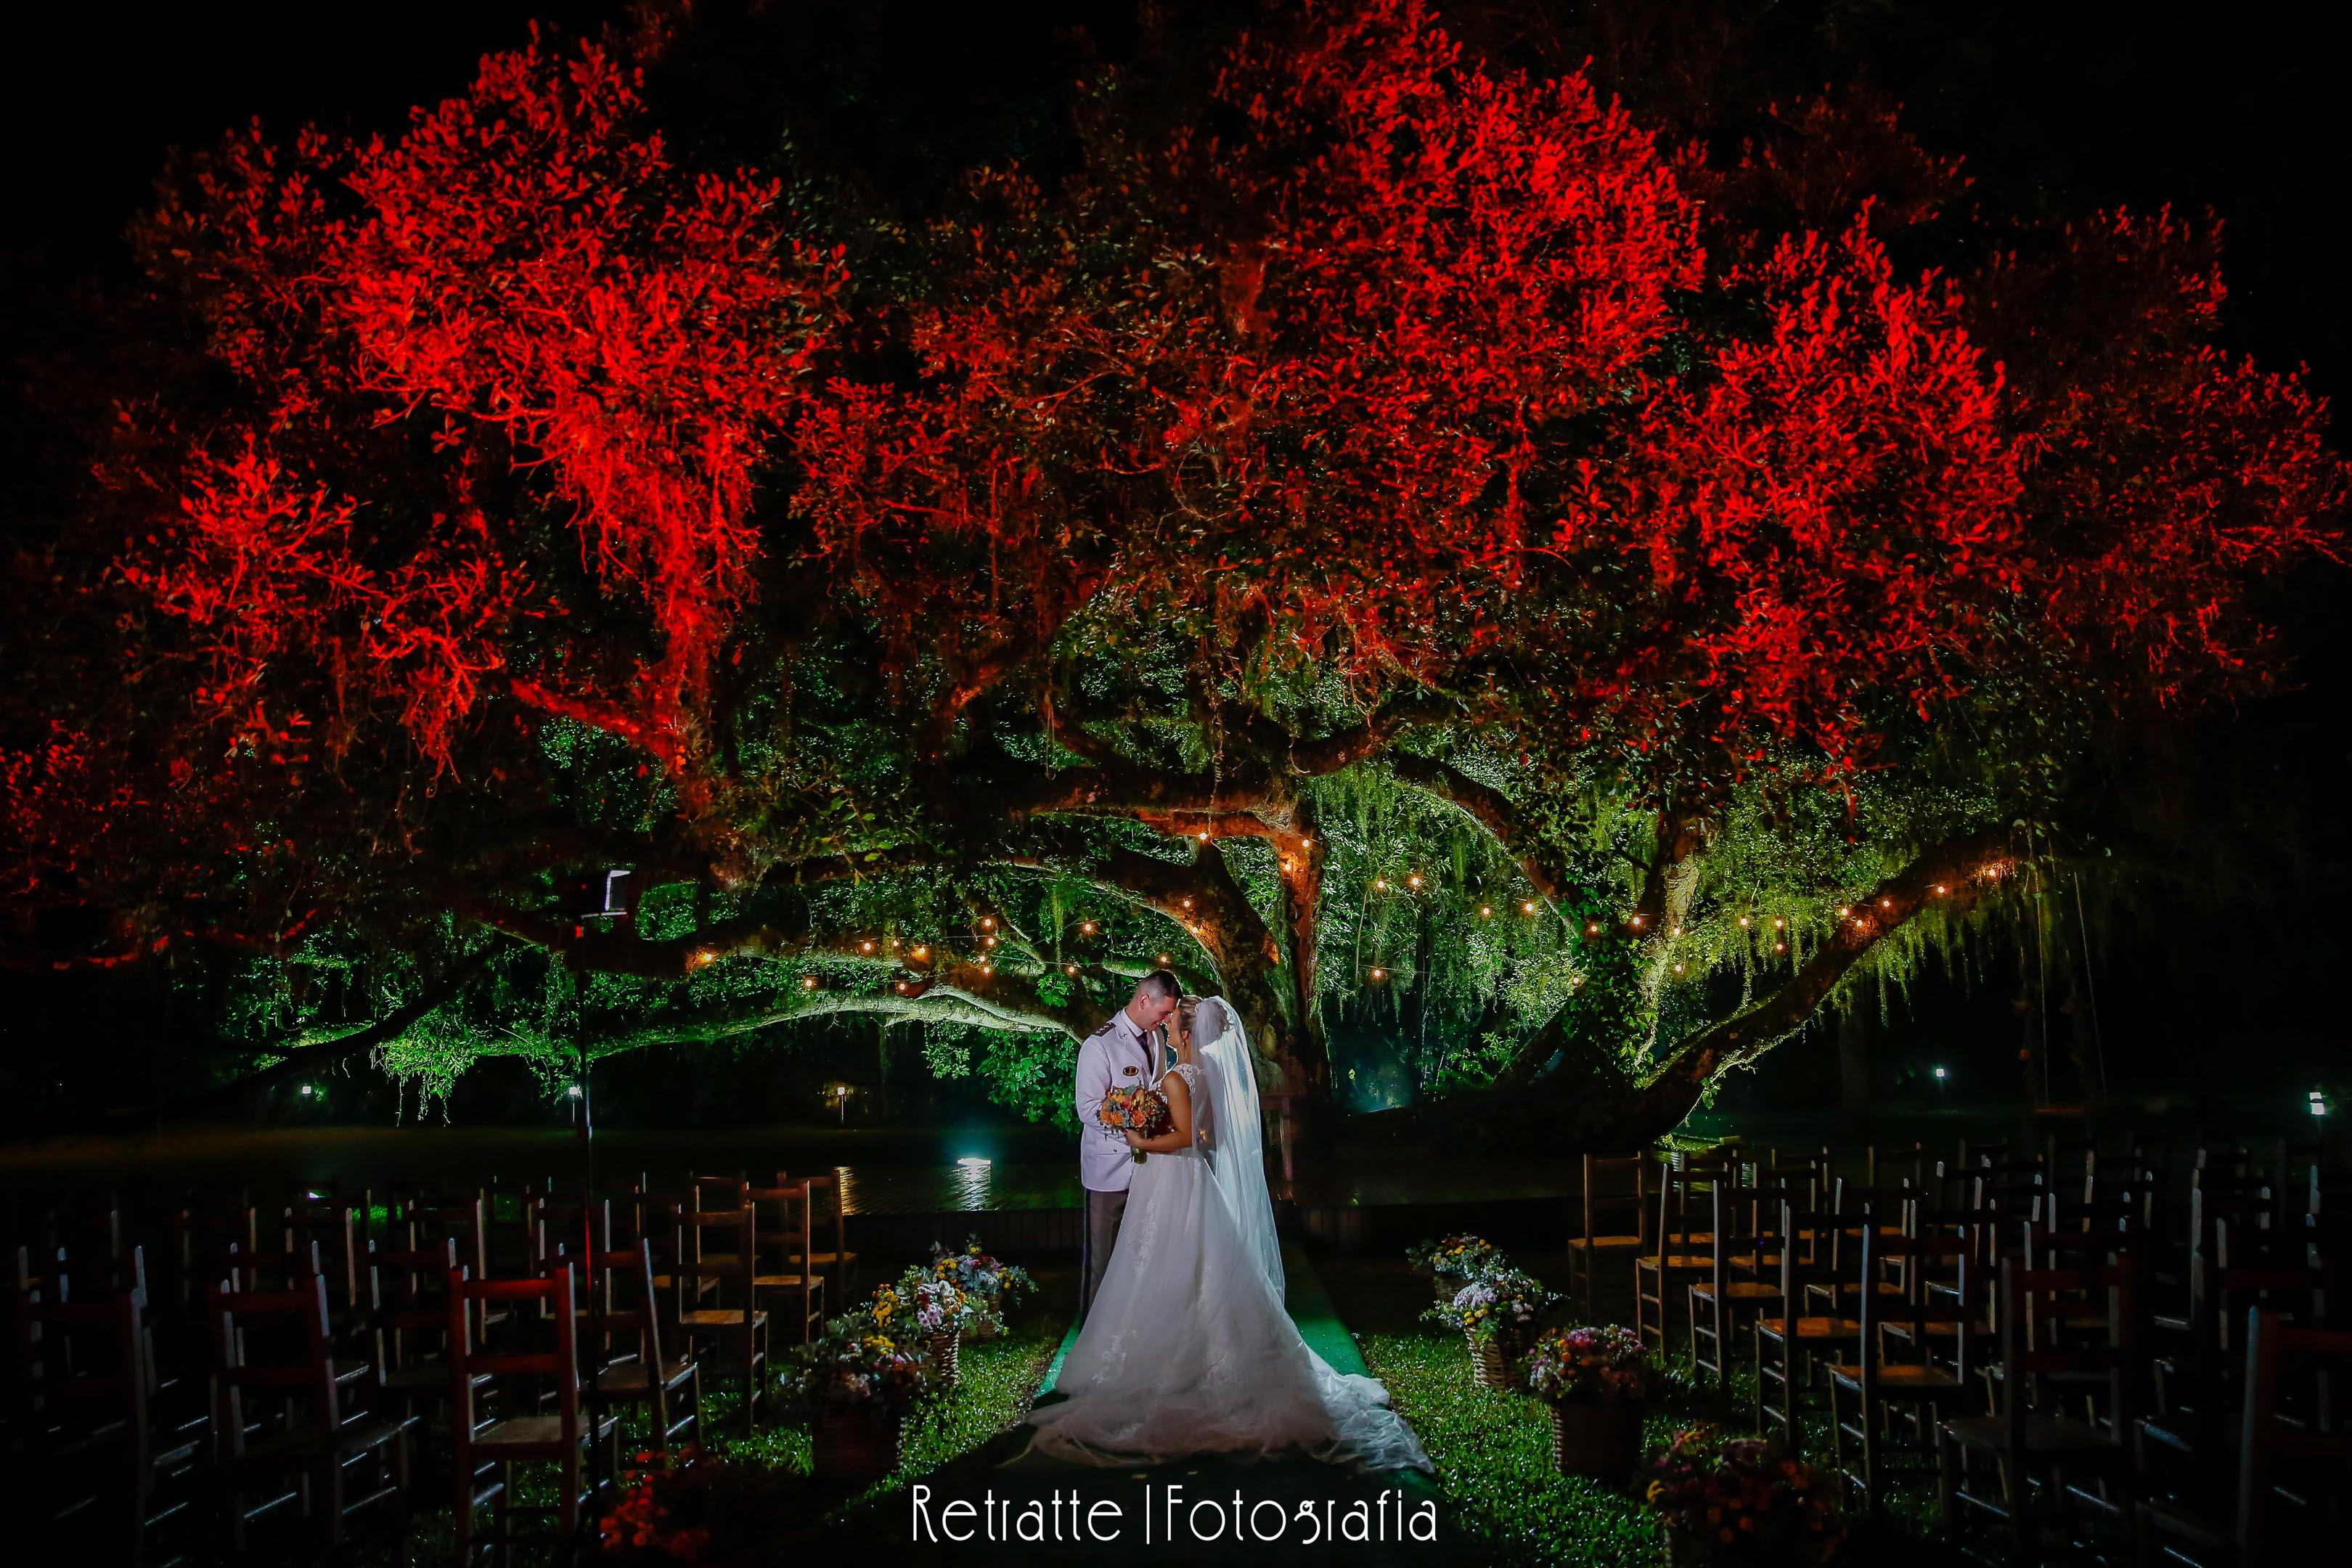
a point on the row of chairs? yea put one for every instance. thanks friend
(293, 1358)
(2068, 1343)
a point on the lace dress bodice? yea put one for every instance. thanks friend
(1191, 1072)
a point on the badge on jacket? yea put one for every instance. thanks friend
(1128, 1070)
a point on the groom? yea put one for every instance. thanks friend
(1121, 1054)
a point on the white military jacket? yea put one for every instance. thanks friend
(1116, 1056)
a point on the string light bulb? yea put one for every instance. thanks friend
(1163, 960)
(1087, 927)
(1887, 903)
(1414, 881)
(1637, 919)
(1379, 884)
(1779, 924)
(1202, 837)
(986, 967)
(989, 941)
(1743, 922)
(1780, 947)
(1527, 908)
(1188, 904)
(865, 947)
(1379, 975)
(1676, 931)
(1845, 910)
(1070, 968)
(1939, 887)
(988, 922)
(808, 981)
(922, 952)
(1678, 969)
(1485, 912)
(1592, 928)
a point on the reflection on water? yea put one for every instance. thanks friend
(848, 1179)
(972, 1185)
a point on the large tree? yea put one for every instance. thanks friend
(1381, 528)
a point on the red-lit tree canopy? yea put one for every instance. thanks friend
(1394, 528)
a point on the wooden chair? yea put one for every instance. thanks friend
(2272, 1445)
(724, 1253)
(409, 1313)
(786, 1284)
(627, 1363)
(1786, 1346)
(1616, 1221)
(1678, 1252)
(278, 1413)
(1741, 1278)
(1875, 1382)
(485, 1452)
(86, 1453)
(829, 1221)
(2028, 1435)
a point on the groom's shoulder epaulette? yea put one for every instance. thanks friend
(1108, 1025)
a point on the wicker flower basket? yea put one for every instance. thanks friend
(983, 1329)
(1492, 1359)
(942, 1347)
(854, 1443)
(1597, 1437)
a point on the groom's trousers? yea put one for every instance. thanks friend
(1104, 1211)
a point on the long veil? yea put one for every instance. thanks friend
(1238, 1167)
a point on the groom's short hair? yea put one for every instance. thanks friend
(1162, 984)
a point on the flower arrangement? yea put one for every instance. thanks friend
(860, 1362)
(993, 1287)
(1505, 1302)
(1742, 1500)
(1463, 1256)
(920, 1302)
(720, 1513)
(1606, 1362)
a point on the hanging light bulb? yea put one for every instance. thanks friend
(865, 947)
(1379, 975)
(808, 981)
(1202, 837)
(1676, 931)
(989, 941)
(1778, 923)
(1743, 922)
(1485, 912)
(986, 967)
(1844, 910)
(1188, 904)
(1887, 903)
(1780, 947)
(1637, 919)
(922, 952)
(1379, 884)
(988, 922)
(1087, 927)
(1678, 969)
(1939, 887)
(1592, 928)
(1414, 881)
(1072, 968)
(1163, 960)
(1527, 908)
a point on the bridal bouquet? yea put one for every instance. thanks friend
(1138, 1107)
(1741, 1500)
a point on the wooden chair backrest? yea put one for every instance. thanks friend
(275, 1342)
(1616, 1195)
(2276, 1350)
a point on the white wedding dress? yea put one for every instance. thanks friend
(1188, 1349)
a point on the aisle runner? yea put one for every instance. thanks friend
(1196, 1512)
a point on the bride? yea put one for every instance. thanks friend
(1188, 1349)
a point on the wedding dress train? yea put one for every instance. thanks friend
(1188, 1349)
